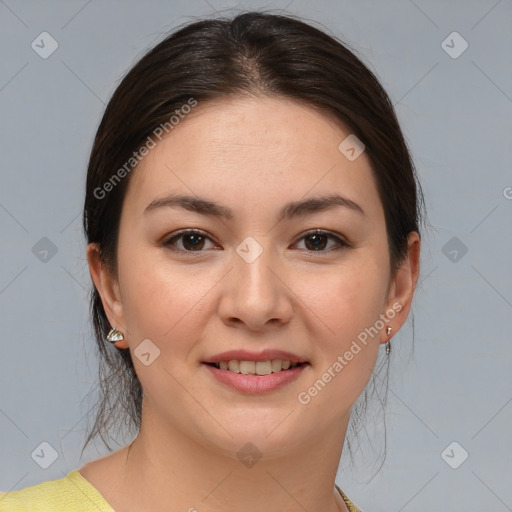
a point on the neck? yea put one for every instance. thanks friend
(165, 466)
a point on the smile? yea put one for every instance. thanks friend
(255, 377)
(255, 367)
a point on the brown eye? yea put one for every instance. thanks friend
(318, 241)
(191, 241)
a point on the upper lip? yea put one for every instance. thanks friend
(245, 355)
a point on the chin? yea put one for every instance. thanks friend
(272, 435)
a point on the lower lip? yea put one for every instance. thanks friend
(256, 383)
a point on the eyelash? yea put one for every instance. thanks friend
(170, 242)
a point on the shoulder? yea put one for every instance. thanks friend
(69, 494)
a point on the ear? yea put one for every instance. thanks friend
(401, 289)
(108, 288)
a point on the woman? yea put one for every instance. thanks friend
(252, 217)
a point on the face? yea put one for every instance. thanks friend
(288, 253)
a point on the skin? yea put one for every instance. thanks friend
(251, 155)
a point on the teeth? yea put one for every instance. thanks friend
(263, 367)
(276, 365)
(234, 366)
(255, 368)
(247, 367)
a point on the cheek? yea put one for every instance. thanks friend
(345, 300)
(161, 301)
(148, 294)
(346, 305)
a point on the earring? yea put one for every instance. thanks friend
(115, 335)
(388, 344)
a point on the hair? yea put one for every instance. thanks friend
(254, 53)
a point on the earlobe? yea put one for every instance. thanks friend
(402, 288)
(108, 288)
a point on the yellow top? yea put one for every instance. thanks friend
(71, 494)
(350, 505)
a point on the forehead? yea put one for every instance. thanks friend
(250, 152)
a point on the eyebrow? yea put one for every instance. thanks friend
(290, 210)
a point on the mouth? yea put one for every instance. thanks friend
(255, 377)
(260, 368)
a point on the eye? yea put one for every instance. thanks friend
(192, 240)
(317, 241)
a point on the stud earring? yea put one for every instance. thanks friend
(114, 335)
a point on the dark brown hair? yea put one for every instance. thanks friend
(254, 53)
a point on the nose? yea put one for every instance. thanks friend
(256, 294)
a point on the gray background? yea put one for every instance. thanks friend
(457, 115)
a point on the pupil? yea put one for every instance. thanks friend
(317, 241)
(193, 241)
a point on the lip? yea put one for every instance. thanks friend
(254, 384)
(265, 355)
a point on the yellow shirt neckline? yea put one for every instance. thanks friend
(89, 490)
(350, 505)
(92, 493)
